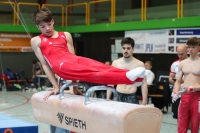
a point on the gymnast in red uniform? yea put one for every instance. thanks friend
(56, 53)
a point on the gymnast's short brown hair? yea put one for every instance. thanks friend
(193, 41)
(42, 15)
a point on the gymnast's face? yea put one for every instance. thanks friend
(147, 66)
(127, 50)
(46, 28)
(193, 49)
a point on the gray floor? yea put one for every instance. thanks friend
(18, 105)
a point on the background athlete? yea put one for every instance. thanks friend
(126, 93)
(182, 54)
(189, 108)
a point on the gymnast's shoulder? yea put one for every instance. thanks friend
(187, 60)
(67, 34)
(35, 41)
(115, 62)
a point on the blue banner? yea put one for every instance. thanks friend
(188, 32)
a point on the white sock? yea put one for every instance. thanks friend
(135, 73)
(146, 73)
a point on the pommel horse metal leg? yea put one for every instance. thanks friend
(54, 129)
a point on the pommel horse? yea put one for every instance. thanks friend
(82, 114)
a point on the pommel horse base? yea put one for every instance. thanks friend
(91, 115)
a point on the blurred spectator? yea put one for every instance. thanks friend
(9, 73)
(151, 76)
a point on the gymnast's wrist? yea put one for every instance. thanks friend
(56, 88)
(145, 100)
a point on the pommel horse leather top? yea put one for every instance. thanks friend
(97, 117)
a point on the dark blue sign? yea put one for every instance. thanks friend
(188, 32)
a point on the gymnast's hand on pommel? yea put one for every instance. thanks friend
(53, 92)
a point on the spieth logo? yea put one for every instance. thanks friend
(70, 121)
(60, 117)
